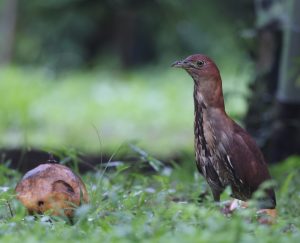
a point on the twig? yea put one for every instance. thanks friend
(10, 209)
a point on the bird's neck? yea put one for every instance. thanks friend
(208, 94)
(209, 110)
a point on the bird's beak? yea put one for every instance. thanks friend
(177, 64)
(181, 64)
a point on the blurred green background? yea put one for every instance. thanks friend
(76, 70)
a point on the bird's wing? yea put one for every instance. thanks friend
(242, 157)
(250, 165)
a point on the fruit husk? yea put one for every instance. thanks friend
(53, 188)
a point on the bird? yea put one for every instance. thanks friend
(226, 155)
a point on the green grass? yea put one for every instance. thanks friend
(129, 206)
(153, 107)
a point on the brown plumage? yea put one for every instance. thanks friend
(226, 155)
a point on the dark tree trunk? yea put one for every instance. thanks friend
(274, 108)
(285, 136)
(8, 16)
(134, 40)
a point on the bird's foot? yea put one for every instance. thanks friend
(266, 216)
(231, 206)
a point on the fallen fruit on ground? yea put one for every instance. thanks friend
(51, 187)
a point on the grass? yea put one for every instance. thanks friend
(152, 107)
(159, 206)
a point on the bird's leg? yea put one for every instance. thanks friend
(216, 195)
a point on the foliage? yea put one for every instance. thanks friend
(78, 33)
(158, 206)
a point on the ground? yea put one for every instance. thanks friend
(132, 204)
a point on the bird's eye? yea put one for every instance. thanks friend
(200, 63)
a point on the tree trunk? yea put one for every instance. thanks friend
(285, 136)
(274, 108)
(8, 16)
